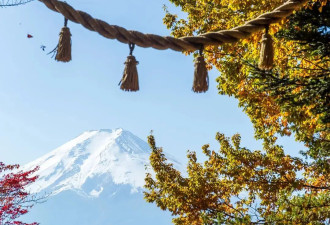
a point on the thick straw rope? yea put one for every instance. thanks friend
(167, 42)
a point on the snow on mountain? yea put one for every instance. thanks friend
(95, 179)
(104, 156)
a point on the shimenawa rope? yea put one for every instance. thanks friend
(189, 43)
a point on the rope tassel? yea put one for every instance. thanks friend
(266, 60)
(64, 45)
(130, 80)
(201, 78)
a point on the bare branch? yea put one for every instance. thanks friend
(6, 3)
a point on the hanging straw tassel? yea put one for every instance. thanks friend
(130, 80)
(64, 45)
(201, 78)
(266, 60)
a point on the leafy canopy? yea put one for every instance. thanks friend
(236, 185)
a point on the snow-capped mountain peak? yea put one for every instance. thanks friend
(91, 161)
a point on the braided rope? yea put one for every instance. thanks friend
(167, 42)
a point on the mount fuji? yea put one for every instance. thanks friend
(96, 178)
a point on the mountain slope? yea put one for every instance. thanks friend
(96, 178)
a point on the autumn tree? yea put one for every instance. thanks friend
(15, 201)
(236, 185)
(301, 52)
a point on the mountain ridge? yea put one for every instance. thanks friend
(96, 178)
(108, 154)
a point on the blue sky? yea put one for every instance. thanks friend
(44, 103)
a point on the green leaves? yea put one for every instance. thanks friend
(235, 185)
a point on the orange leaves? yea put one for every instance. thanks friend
(293, 62)
(266, 107)
(229, 181)
(292, 98)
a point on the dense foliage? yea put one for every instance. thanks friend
(239, 186)
(236, 185)
(14, 199)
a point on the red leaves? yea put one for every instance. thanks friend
(14, 199)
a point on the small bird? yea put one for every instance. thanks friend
(43, 47)
(29, 36)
